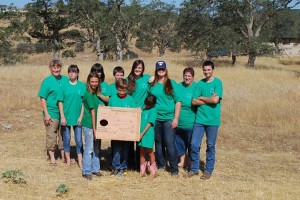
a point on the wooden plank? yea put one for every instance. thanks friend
(114, 123)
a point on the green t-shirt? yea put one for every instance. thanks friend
(209, 114)
(72, 101)
(141, 90)
(51, 91)
(148, 116)
(187, 112)
(112, 90)
(104, 91)
(90, 101)
(116, 101)
(165, 104)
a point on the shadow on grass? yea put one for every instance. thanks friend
(106, 159)
(264, 67)
(198, 62)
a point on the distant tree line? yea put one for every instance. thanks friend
(248, 27)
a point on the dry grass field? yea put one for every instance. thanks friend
(257, 148)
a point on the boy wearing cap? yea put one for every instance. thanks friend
(208, 98)
(168, 107)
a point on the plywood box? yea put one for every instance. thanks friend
(114, 123)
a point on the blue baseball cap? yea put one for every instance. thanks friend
(161, 65)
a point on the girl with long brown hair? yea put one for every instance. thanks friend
(168, 107)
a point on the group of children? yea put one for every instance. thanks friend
(68, 102)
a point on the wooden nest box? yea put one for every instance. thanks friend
(114, 123)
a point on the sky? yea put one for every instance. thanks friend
(21, 3)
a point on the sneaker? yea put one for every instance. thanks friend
(190, 175)
(87, 176)
(205, 176)
(97, 173)
(120, 173)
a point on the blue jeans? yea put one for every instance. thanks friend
(120, 150)
(91, 160)
(67, 138)
(165, 145)
(211, 137)
(182, 140)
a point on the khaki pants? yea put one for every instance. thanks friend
(53, 132)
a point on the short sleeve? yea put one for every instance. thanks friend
(176, 91)
(219, 88)
(91, 104)
(43, 93)
(197, 92)
(153, 114)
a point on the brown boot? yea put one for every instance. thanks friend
(205, 176)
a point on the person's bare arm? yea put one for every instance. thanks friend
(93, 113)
(62, 115)
(176, 115)
(80, 116)
(148, 126)
(103, 98)
(197, 102)
(210, 100)
(47, 117)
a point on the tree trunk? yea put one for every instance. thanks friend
(233, 58)
(161, 51)
(251, 60)
(56, 55)
(119, 49)
(98, 50)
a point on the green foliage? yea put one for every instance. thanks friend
(130, 54)
(157, 28)
(8, 55)
(68, 54)
(92, 16)
(79, 47)
(243, 27)
(42, 47)
(145, 42)
(25, 48)
(62, 190)
(283, 25)
(13, 176)
(123, 20)
(10, 34)
(47, 19)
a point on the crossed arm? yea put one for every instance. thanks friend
(205, 100)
